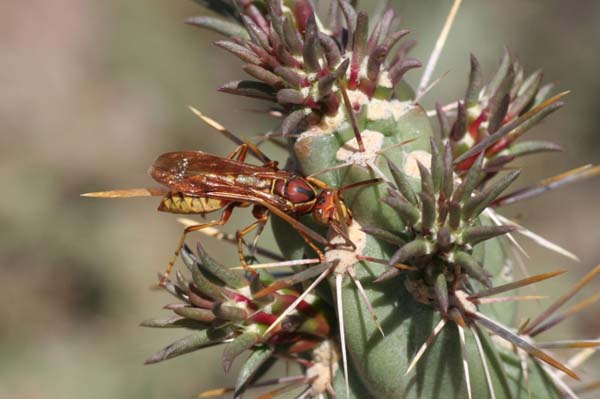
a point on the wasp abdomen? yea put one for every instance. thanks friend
(185, 204)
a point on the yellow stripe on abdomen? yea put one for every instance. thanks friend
(185, 204)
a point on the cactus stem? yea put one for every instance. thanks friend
(436, 330)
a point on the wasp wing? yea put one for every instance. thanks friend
(173, 168)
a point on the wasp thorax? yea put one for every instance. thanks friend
(298, 191)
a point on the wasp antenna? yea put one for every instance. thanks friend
(128, 193)
(352, 116)
(361, 183)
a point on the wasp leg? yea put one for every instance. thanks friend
(240, 240)
(319, 183)
(314, 247)
(224, 218)
(267, 162)
(240, 152)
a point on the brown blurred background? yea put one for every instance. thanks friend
(92, 91)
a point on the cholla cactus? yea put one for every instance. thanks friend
(414, 268)
(222, 306)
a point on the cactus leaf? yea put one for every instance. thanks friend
(475, 83)
(258, 357)
(472, 268)
(234, 348)
(220, 26)
(226, 275)
(191, 343)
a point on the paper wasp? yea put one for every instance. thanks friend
(201, 183)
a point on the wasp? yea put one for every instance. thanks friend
(200, 183)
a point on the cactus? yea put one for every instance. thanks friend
(405, 303)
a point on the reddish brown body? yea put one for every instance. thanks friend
(205, 183)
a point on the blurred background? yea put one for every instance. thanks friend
(92, 91)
